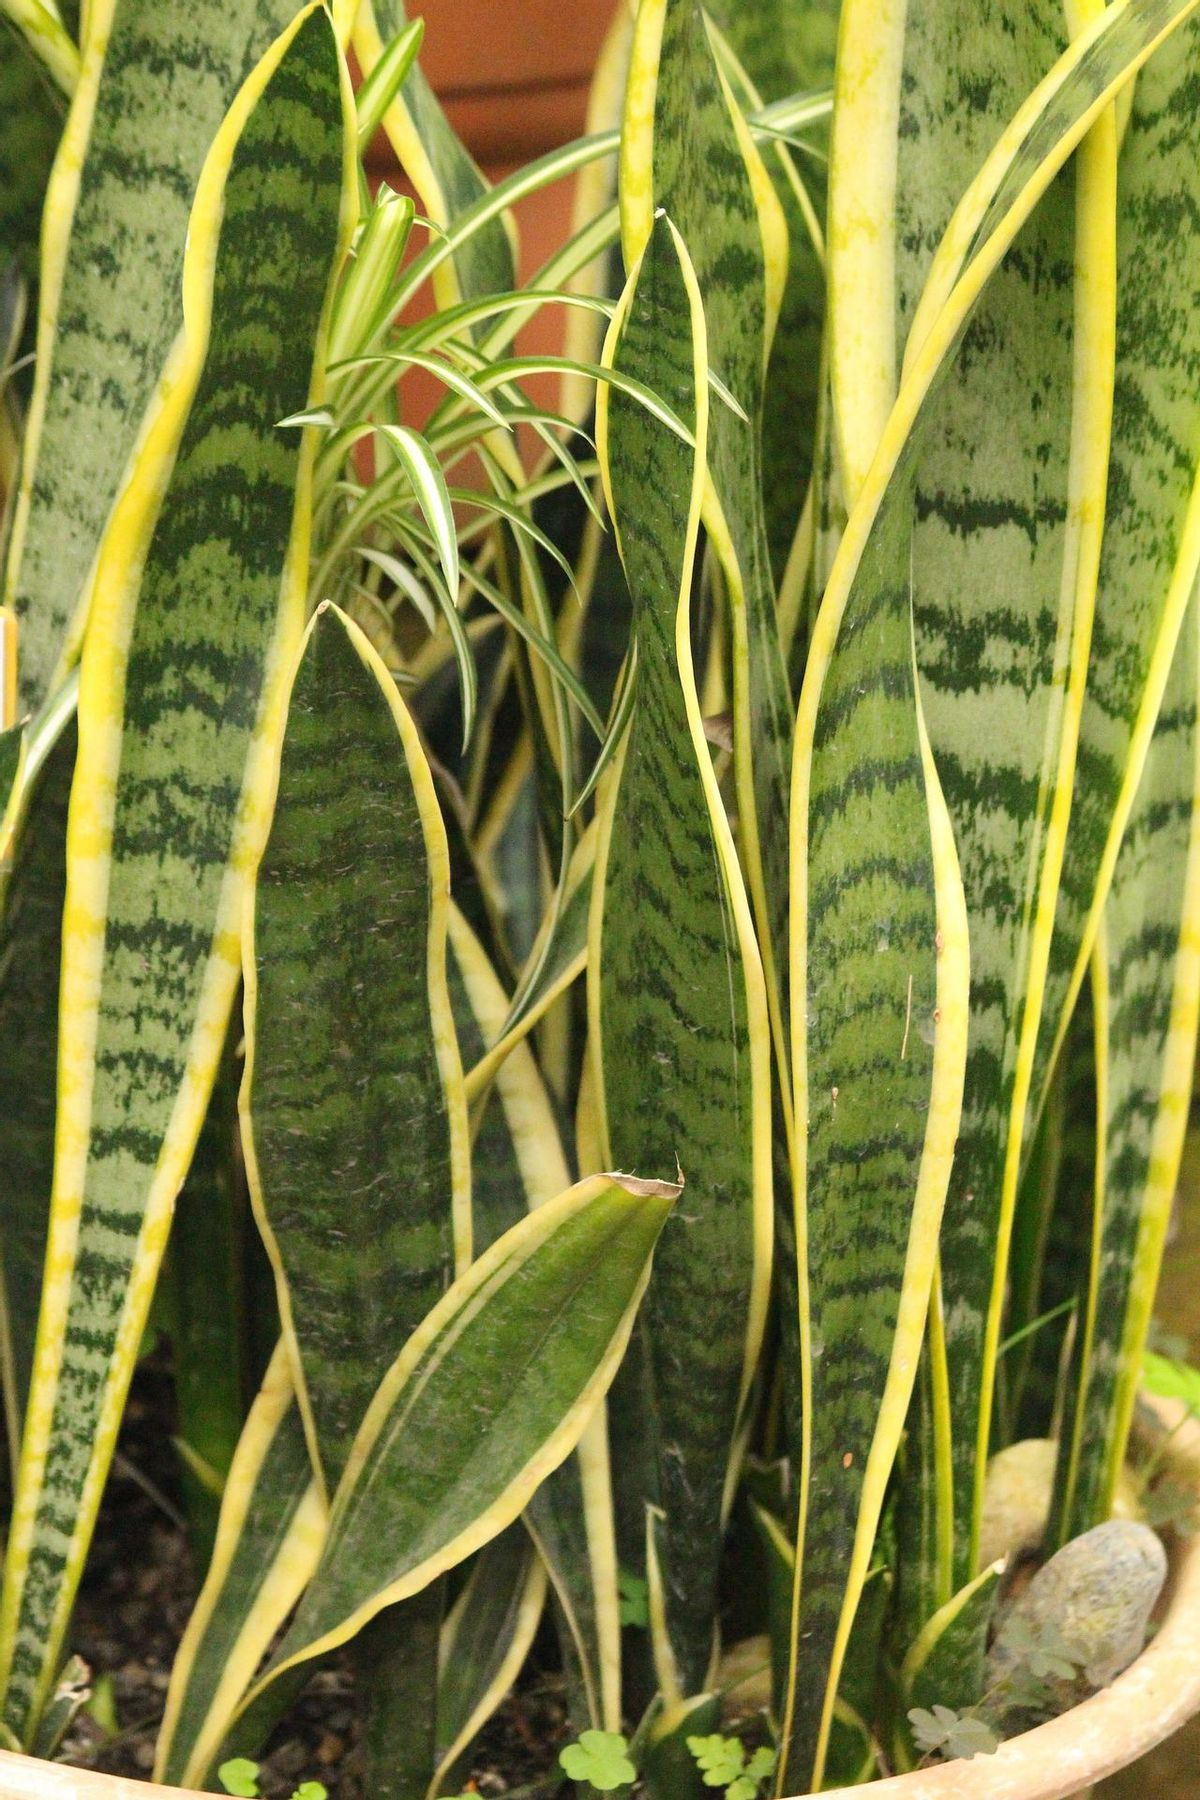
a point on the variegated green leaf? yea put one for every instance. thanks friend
(879, 1013)
(677, 1007)
(685, 148)
(519, 1163)
(354, 1118)
(788, 48)
(1147, 990)
(1152, 521)
(268, 1539)
(155, 84)
(1009, 506)
(354, 1113)
(488, 1396)
(485, 1640)
(202, 584)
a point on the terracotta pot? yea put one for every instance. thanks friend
(1064, 1758)
(513, 75)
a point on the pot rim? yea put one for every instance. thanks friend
(1144, 1706)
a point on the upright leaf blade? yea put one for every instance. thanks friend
(1147, 949)
(676, 997)
(693, 156)
(1009, 501)
(1152, 522)
(154, 86)
(353, 1111)
(203, 590)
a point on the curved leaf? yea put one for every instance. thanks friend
(489, 1395)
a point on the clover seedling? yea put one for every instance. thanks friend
(943, 1732)
(722, 1764)
(601, 1758)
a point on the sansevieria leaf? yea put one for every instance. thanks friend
(1151, 548)
(354, 1117)
(519, 1163)
(879, 971)
(202, 593)
(155, 83)
(1147, 957)
(1009, 502)
(353, 1108)
(488, 1396)
(269, 1536)
(485, 1640)
(686, 148)
(677, 1006)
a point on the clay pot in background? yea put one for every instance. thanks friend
(513, 76)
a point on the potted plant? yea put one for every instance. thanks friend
(678, 925)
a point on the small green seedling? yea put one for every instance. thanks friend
(723, 1763)
(600, 1758)
(240, 1776)
(944, 1732)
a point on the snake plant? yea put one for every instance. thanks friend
(612, 980)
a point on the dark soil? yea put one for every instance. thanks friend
(134, 1603)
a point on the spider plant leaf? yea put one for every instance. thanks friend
(367, 1059)
(1148, 998)
(440, 169)
(30, 958)
(430, 492)
(269, 1535)
(167, 805)
(523, 1346)
(1003, 591)
(688, 150)
(1151, 549)
(378, 91)
(485, 1640)
(145, 101)
(677, 1008)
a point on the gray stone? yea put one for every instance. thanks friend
(1080, 1622)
